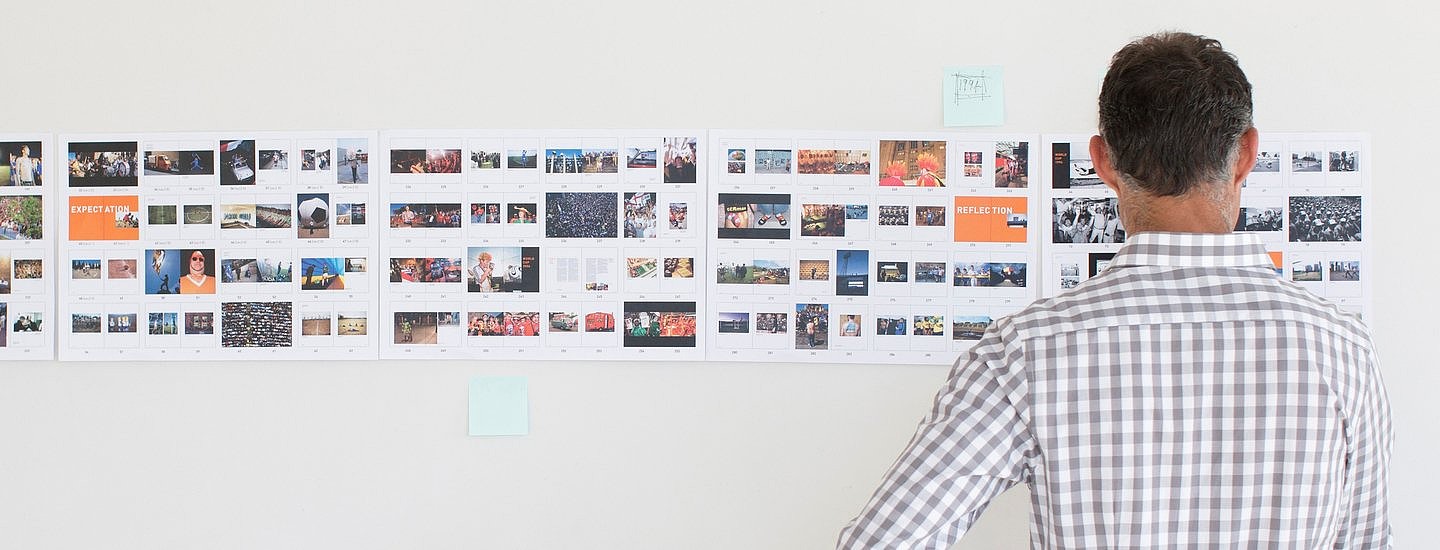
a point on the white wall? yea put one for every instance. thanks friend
(700, 456)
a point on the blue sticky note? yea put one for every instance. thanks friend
(499, 405)
(974, 96)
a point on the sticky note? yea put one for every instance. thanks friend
(974, 96)
(499, 405)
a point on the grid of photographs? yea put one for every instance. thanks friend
(27, 244)
(1306, 198)
(543, 244)
(866, 247)
(213, 245)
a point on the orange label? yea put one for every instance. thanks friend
(990, 219)
(1278, 258)
(105, 218)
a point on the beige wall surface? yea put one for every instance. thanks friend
(373, 455)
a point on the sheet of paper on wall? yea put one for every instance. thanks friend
(974, 96)
(499, 405)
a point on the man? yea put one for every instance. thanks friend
(1184, 397)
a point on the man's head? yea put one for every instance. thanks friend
(1175, 121)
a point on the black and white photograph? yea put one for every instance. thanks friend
(892, 215)
(1069, 275)
(1306, 161)
(1098, 262)
(1087, 221)
(1325, 219)
(1267, 162)
(581, 215)
(1344, 161)
(1260, 219)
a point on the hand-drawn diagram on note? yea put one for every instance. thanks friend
(974, 96)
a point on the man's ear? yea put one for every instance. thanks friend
(1100, 160)
(1245, 157)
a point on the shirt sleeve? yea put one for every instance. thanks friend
(973, 446)
(1369, 437)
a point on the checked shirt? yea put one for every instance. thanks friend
(1186, 397)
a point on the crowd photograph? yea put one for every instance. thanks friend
(1325, 219)
(581, 215)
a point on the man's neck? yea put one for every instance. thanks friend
(1190, 213)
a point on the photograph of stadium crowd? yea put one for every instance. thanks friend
(257, 324)
(581, 215)
(1325, 219)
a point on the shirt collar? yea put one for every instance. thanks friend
(1193, 250)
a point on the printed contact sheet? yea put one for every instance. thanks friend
(27, 244)
(544, 244)
(1306, 198)
(856, 247)
(734, 245)
(217, 245)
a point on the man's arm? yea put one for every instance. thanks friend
(973, 446)
(1369, 438)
